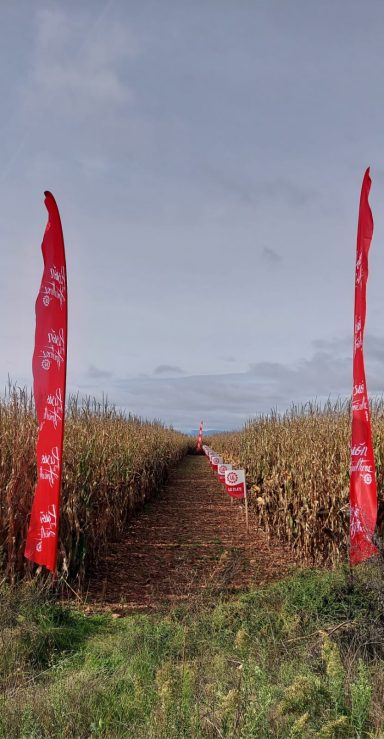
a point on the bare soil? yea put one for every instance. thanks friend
(187, 539)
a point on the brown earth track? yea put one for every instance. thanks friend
(182, 542)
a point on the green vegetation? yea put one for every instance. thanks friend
(303, 657)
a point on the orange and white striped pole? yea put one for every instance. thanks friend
(200, 438)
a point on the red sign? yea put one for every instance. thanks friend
(215, 461)
(49, 372)
(235, 483)
(221, 470)
(363, 493)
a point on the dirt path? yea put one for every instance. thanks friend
(184, 540)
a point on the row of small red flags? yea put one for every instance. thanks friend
(234, 480)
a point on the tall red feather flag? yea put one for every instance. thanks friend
(363, 491)
(49, 373)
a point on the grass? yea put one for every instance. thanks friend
(299, 658)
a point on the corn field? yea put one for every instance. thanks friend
(112, 464)
(297, 468)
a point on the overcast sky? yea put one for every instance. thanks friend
(206, 157)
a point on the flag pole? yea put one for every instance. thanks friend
(246, 508)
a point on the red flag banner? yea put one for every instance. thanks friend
(235, 483)
(49, 373)
(363, 492)
(200, 437)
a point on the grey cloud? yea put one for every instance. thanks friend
(327, 372)
(293, 194)
(257, 192)
(270, 370)
(221, 400)
(168, 369)
(270, 256)
(228, 400)
(321, 375)
(333, 345)
(98, 374)
(342, 346)
(76, 65)
(374, 348)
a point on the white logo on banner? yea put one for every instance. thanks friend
(48, 520)
(358, 333)
(359, 269)
(56, 288)
(54, 352)
(232, 478)
(356, 525)
(53, 410)
(235, 477)
(49, 466)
